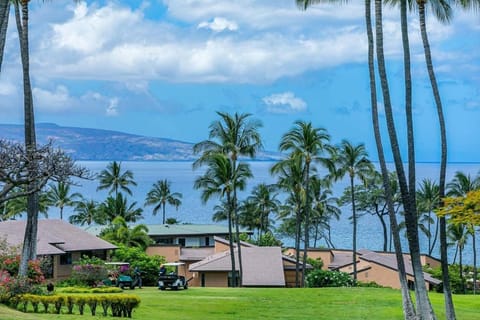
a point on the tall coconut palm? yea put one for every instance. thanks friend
(458, 233)
(352, 161)
(120, 233)
(264, 202)
(324, 207)
(408, 309)
(308, 144)
(160, 195)
(424, 308)
(115, 180)
(235, 136)
(59, 196)
(4, 15)
(460, 185)
(290, 173)
(428, 200)
(119, 207)
(86, 212)
(220, 179)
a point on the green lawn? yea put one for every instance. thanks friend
(216, 303)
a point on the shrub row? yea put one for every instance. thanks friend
(89, 290)
(120, 305)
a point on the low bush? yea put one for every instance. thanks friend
(325, 278)
(120, 305)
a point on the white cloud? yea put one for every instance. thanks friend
(218, 24)
(285, 102)
(57, 100)
(112, 109)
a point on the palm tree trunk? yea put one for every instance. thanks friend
(449, 306)
(408, 310)
(237, 231)
(307, 220)
(29, 250)
(230, 241)
(435, 237)
(4, 15)
(460, 264)
(163, 213)
(297, 247)
(385, 232)
(422, 297)
(354, 216)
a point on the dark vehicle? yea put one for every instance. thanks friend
(172, 280)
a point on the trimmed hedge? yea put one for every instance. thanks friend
(120, 305)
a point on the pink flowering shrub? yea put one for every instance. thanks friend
(89, 271)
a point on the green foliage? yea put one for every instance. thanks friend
(89, 271)
(137, 257)
(89, 290)
(457, 284)
(268, 239)
(315, 263)
(325, 278)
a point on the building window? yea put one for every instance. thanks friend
(181, 241)
(66, 259)
(207, 241)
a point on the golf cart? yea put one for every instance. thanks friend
(119, 275)
(172, 279)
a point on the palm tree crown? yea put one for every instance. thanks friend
(160, 195)
(114, 179)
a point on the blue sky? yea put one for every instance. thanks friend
(162, 68)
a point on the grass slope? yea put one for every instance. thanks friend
(219, 303)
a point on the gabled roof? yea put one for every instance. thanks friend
(226, 242)
(262, 266)
(54, 237)
(390, 261)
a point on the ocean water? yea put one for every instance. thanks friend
(192, 210)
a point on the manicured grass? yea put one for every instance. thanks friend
(216, 303)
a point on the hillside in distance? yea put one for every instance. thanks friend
(105, 145)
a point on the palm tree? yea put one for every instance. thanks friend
(114, 179)
(264, 202)
(460, 185)
(4, 15)
(220, 179)
(424, 310)
(18, 206)
(324, 208)
(408, 309)
(458, 233)
(119, 207)
(428, 200)
(120, 233)
(353, 161)
(86, 212)
(290, 179)
(233, 136)
(60, 197)
(306, 143)
(160, 195)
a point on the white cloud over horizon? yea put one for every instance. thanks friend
(285, 102)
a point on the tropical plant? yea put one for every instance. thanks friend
(352, 160)
(220, 179)
(160, 195)
(458, 233)
(234, 136)
(59, 196)
(120, 233)
(86, 212)
(115, 180)
(290, 176)
(428, 200)
(260, 204)
(119, 207)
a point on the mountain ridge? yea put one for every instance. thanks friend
(92, 144)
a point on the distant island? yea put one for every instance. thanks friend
(105, 145)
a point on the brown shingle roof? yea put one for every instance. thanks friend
(54, 237)
(262, 266)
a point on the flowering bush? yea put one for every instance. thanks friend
(326, 278)
(11, 265)
(89, 271)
